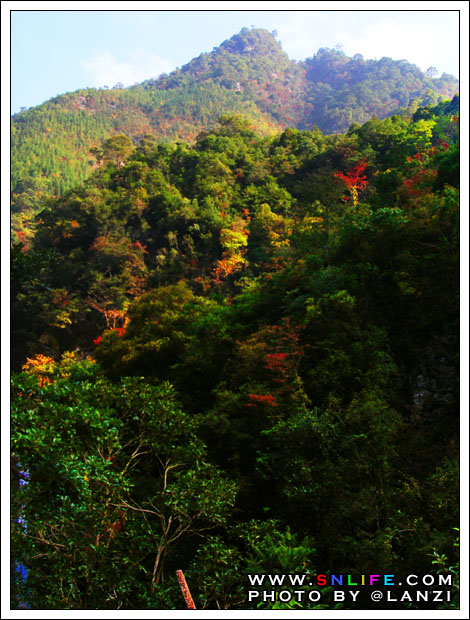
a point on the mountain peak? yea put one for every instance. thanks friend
(252, 42)
(251, 56)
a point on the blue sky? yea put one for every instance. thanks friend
(53, 51)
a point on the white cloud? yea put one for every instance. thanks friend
(303, 33)
(420, 44)
(423, 38)
(105, 69)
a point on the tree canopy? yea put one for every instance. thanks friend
(240, 356)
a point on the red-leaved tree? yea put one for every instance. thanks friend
(355, 179)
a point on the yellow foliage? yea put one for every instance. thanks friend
(63, 319)
(39, 364)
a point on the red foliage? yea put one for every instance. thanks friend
(443, 145)
(225, 267)
(280, 365)
(120, 332)
(261, 399)
(116, 526)
(140, 247)
(420, 183)
(60, 298)
(354, 178)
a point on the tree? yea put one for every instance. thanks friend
(116, 150)
(431, 72)
(116, 481)
(355, 180)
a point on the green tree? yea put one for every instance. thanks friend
(116, 150)
(109, 480)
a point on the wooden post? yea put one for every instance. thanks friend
(188, 599)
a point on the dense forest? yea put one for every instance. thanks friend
(239, 355)
(248, 74)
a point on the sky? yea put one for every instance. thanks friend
(54, 51)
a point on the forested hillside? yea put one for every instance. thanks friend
(247, 74)
(239, 354)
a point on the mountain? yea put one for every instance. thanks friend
(248, 74)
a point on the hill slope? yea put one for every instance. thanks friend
(249, 74)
